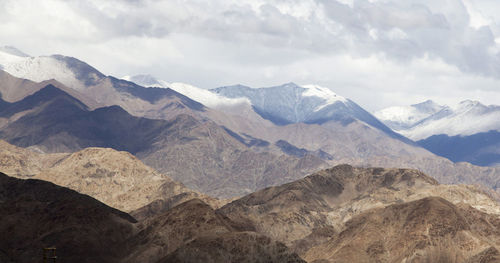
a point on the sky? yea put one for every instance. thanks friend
(378, 53)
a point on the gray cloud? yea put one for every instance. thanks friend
(405, 50)
(402, 30)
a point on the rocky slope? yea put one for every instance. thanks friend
(480, 149)
(38, 214)
(426, 230)
(194, 232)
(308, 212)
(115, 178)
(106, 90)
(200, 154)
(333, 130)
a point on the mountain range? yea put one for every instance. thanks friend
(335, 215)
(51, 120)
(38, 214)
(235, 146)
(468, 132)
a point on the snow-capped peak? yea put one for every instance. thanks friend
(37, 69)
(466, 118)
(404, 117)
(328, 95)
(144, 80)
(428, 106)
(468, 105)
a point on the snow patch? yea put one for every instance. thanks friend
(424, 120)
(206, 97)
(144, 80)
(328, 95)
(38, 69)
(404, 117)
(203, 96)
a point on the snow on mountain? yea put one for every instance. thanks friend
(404, 117)
(144, 80)
(200, 95)
(311, 104)
(321, 92)
(37, 69)
(466, 118)
(205, 97)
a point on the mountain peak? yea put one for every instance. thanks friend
(404, 117)
(468, 104)
(286, 103)
(322, 92)
(145, 80)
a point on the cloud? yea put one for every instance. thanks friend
(401, 50)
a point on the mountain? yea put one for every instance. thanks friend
(480, 149)
(145, 80)
(426, 230)
(14, 89)
(428, 118)
(468, 132)
(200, 154)
(357, 139)
(312, 214)
(194, 232)
(105, 90)
(38, 214)
(115, 178)
(467, 118)
(400, 118)
(311, 104)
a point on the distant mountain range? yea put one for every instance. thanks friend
(225, 142)
(468, 132)
(51, 120)
(111, 170)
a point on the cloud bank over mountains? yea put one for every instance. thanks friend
(404, 51)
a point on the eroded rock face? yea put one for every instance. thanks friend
(427, 230)
(311, 211)
(243, 247)
(194, 232)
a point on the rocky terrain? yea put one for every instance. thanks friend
(115, 178)
(38, 214)
(336, 215)
(315, 210)
(236, 126)
(194, 232)
(426, 230)
(200, 154)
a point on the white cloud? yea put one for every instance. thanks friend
(378, 53)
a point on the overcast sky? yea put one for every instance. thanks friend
(377, 52)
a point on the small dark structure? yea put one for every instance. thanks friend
(49, 255)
